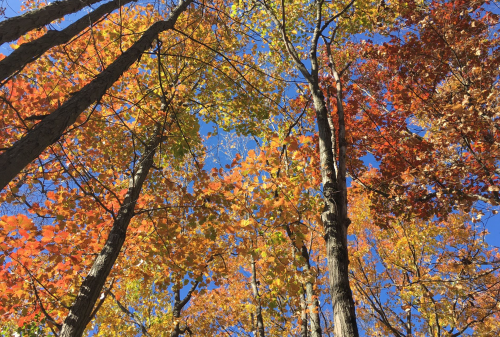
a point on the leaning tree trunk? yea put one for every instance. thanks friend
(13, 28)
(30, 51)
(50, 129)
(81, 310)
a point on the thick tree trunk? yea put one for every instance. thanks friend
(50, 129)
(334, 215)
(255, 290)
(13, 28)
(78, 317)
(29, 52)
(336, 231)
(335, 224)
(340, 291)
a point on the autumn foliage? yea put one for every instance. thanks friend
(251, 168)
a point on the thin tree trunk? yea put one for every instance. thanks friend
(176, 313)
(341, 169)
(408, 322)
(255, 290)
(78, 317)
(254, 327)
(29, 52)
(313, 306)
(50, 129)
(311, 298)
(178, 306)
(13, 28)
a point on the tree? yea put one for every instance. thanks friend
(438, 277)
(114, 214)
(433, 93)
(29, 51)
(13, 28)
(50, 129)
(103, 180)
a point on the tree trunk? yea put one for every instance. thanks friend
(336, 221)
(13, 28)
(311, 299)
(334, 215)
(255, 290)
(335, 225)
(30, 51)
(50, 129)
(303, 316)
(78, 317)
(313, 306)
(176, 313)
(178, 306)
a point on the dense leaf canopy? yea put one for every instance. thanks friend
(250, 168)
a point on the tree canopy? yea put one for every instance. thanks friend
(250, 168)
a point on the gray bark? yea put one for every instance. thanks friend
(30, 51)
(334, 215)
(50, 129)
(78, 317)
(13, 28)
(335, 224)
(408, 323)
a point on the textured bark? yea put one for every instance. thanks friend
(408, 323)
(13, 28)
(78, 317)
(336, 221)
(30, 51)
(334, 215)
(50, 129)
(335, 225)
(255, 290)
(341, 167)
